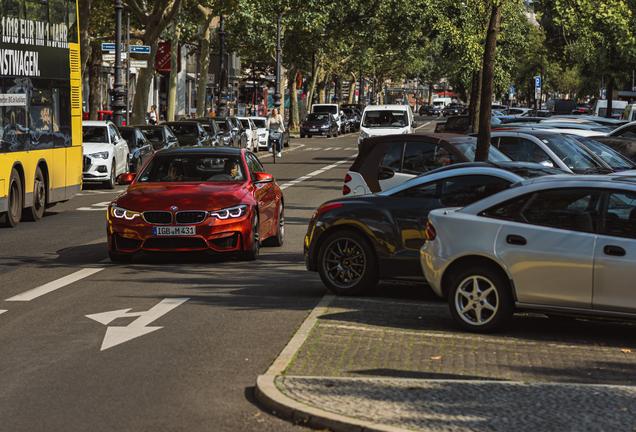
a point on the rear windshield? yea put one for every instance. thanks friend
(154, 135)
(184, 130)
(385, 119)
(325, 109)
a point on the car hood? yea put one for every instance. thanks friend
(383, 130)
(315, 123)
(185, 196)
(91, 147)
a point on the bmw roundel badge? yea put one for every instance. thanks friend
(174, 208)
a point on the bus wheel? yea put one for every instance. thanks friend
(14, 212)
(36, 212)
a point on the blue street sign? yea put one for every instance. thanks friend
(512, 90)
(108, 46)
(139, 48)
(537, 82)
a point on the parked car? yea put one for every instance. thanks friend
(611, 123)
(345, 126)
(626, 131)
(555, 244)
(386, 120)
(429, 110)
(252, 132)
(580, 110)
(555, 125)
(261, 129)
(354, 117)
(613, 158)
(538, 113)
(238, 129)
(139, 147)
(230, 205)
(230, 137)
(516, 111)
(328, 108)
(451, 109)
(561, 106)
(439, 127)
(457, 124)
(106, 153)
(105, 115)
(212, 129)
(160, 136)
(190, 133)
(355, 241)
(550, 149)
(318, 124)
(388, 161)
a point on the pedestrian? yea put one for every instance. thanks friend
(275, 124)
(153, 115)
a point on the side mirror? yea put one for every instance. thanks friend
(385, 172)
(125, 179)
(261, 177)
(414, 124)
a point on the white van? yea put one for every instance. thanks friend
(386, 120)
(331, 109)
(600, 108)
(441, 102)
(630, 113)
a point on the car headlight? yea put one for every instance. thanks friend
(230, 212)
(324, 126)
(103, 155)
(122, 213)
(263, 135)
(363, 134)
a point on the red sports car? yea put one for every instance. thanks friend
(211, 199)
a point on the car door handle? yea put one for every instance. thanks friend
(614, 250)
(516, 240)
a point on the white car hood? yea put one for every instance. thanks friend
(385, 131)
(261, 130)
(91, 147)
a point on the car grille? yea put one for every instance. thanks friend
(191, 217)
(226, 243)
(158, 217)
(175, 243)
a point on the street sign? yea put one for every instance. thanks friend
(537, 82)
(111, 57)
(512, 91)
(140, 49)
(139, 64)
(108, 46)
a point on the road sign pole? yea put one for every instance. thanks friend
(118, 91)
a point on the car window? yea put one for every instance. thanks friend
(94, 134)
(420, 157)
(169, 133)
(393, 156)
(627, 132)
(253, 164)
(464, 190)
(469, 149)
(426, 190)
(570, 209)
(155, 135)
(113, 134)
(508, 210)
(578, 159)
(129, 136)
(388, 118)
(620, 216)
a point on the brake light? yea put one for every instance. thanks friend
(346, 190)
(326, 207)
(348, 178)
(429, 232)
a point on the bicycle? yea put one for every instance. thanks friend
(275, 139)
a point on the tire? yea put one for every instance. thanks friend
(120, 257)
(279, 238)
(329, 136)
(495, 307)
(252, 253)
(308, 136)
(14, 210)
(347, 264)
(36, 212)
(110, 183)
(302, 135)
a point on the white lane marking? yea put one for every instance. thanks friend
(336, 148)
(328, 148)
(2, 311)
(98, 206)
(56, 284)
(425, 124)
(315, 173)
(116, 335)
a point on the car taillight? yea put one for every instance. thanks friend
(346, 190)
(325, 207)
(348, 178)
(429, 232)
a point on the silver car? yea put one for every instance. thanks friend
(557, 244)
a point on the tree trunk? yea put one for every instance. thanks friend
(204, 65)
(292, 76)
(94, 68)
(312, 89)
(339, 90)
(144, 79)
(485, 106)
(85, 37)
(172, 84)
(475, 93)
(321, 90)
(352, 89)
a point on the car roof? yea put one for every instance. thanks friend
(227, 151)
(386, 107)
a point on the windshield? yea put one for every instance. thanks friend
(578, 159)
(384, 119)
(184, 130)
(94, 134)
(260, 123)
(602, 112)
(317, 117)
(154, 135)
(223, 125)
(616, 160)
(469, 149)
(192, 168)
(245, 123)
(332, 109)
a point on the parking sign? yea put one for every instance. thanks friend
(537, 82)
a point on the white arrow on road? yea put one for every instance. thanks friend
(116, 335)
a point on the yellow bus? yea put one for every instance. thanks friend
(40, 107)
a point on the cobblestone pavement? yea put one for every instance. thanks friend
(406, 364)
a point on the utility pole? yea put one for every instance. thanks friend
(118, 91)
(222, 72)
(277, 95)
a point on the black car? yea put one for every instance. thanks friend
(160, 136)
(141, 149)
(190, 133)
(237, 128)
(212, 129)
(429, 110)
(226, 126)
(450, 110)
(457, 124)
(318, 124)
(353, 115)
(353, 242)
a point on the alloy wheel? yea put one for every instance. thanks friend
(345, 262)
(477, 300)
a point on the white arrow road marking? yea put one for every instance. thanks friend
(98, 206)
(57, 284)
(116, 335)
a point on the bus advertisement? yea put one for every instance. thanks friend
(40, 107)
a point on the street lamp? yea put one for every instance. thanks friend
(118, 90)
(277, 95)
(222, 73)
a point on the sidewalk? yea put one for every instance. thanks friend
(360, 364)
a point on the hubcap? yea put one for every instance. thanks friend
(39, 194)
(344, 262)
(477, 300)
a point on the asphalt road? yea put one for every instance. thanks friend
(186, 335)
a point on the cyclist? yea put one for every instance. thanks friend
(275, 124)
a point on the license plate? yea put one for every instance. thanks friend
(314, 130)
(174, 231)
